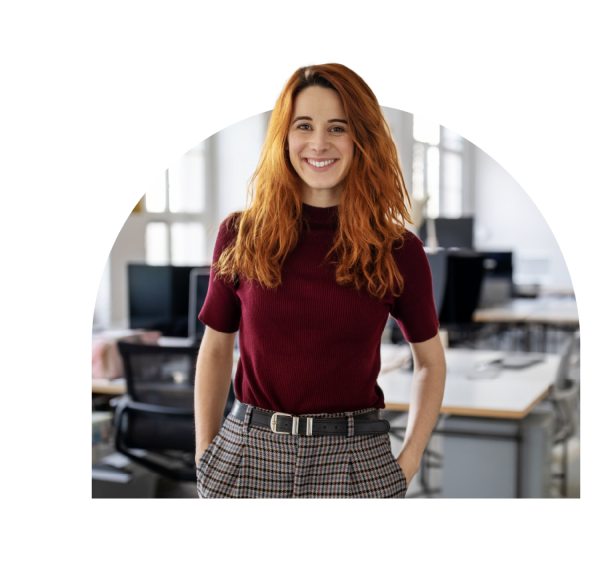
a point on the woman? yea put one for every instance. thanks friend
(308, 275)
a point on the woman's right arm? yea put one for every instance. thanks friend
(211, 385)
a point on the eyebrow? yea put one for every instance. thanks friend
(308, 118)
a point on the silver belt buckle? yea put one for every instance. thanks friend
(273, 422)
(294, 426)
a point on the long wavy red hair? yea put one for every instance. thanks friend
(372, 210)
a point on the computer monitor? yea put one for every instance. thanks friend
(199, 285)
(498, 264)
(450, 232)
(159, 298)
(497, 285)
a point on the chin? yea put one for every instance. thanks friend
(321, 185)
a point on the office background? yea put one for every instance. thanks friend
(505, 216)
(176, 223)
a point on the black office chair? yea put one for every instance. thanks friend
(154, 421)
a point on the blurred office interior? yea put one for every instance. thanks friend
(509, 425)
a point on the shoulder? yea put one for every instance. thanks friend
(229, 228)
(410, 256)
(408, 245)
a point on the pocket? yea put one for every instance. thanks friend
(397, 484)
(218, 468)
(375, 472)
(401, 484)
(402, 474)
(206, 453)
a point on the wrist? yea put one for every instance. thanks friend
(411, 455)
(202, 445)
(405, 459)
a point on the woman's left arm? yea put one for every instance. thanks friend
(425, 402)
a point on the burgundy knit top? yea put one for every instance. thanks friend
(310, 345)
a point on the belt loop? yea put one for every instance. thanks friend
(351, 425)
(247, 419)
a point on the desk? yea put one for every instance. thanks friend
(516, 310)
(554, 311)
(491, 441)
(107, 386)
(528, 313)
(539, 310)
(512, 394)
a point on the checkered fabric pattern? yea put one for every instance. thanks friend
(246, 461)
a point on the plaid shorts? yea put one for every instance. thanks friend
(246, 461)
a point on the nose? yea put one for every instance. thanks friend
(319, 142)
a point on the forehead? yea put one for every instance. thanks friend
(318, 102)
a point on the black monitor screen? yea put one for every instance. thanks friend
(499, 264)
(451, 232)
(180, 296)
(159, 298)
(199, 285)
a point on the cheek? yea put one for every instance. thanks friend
(291, 151)
(293, 148)
(349, 152)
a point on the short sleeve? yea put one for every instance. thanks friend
(414, 310)
(221, 310)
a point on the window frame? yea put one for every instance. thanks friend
(466, 156)
(206, 217)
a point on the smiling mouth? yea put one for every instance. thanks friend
(320, 164)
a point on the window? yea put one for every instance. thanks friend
(437, 168)
(174, 213)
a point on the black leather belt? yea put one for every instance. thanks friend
(283, 423)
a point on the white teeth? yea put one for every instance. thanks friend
(321, 164)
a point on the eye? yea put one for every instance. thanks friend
(337, 129)
(303, 126)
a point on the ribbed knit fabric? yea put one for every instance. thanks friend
(310, 345)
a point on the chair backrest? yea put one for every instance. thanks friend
(575, 358)
(565, 390)
(562, 377)
(159, 375)
(463, 276)
(438, 261)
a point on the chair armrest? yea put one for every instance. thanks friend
(125, 404)
(559, 395)
(156, 409)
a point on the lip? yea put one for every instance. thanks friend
(324, 168)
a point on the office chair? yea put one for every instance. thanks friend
(563, 396)
(457, 279)
(575, 366)
(155, 419)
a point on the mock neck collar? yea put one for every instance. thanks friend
(320, 215)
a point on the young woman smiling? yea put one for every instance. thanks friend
(308, 275)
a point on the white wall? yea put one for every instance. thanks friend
(402, 127)
(507, 219)
(238, 150)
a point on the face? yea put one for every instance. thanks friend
(320, 144)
